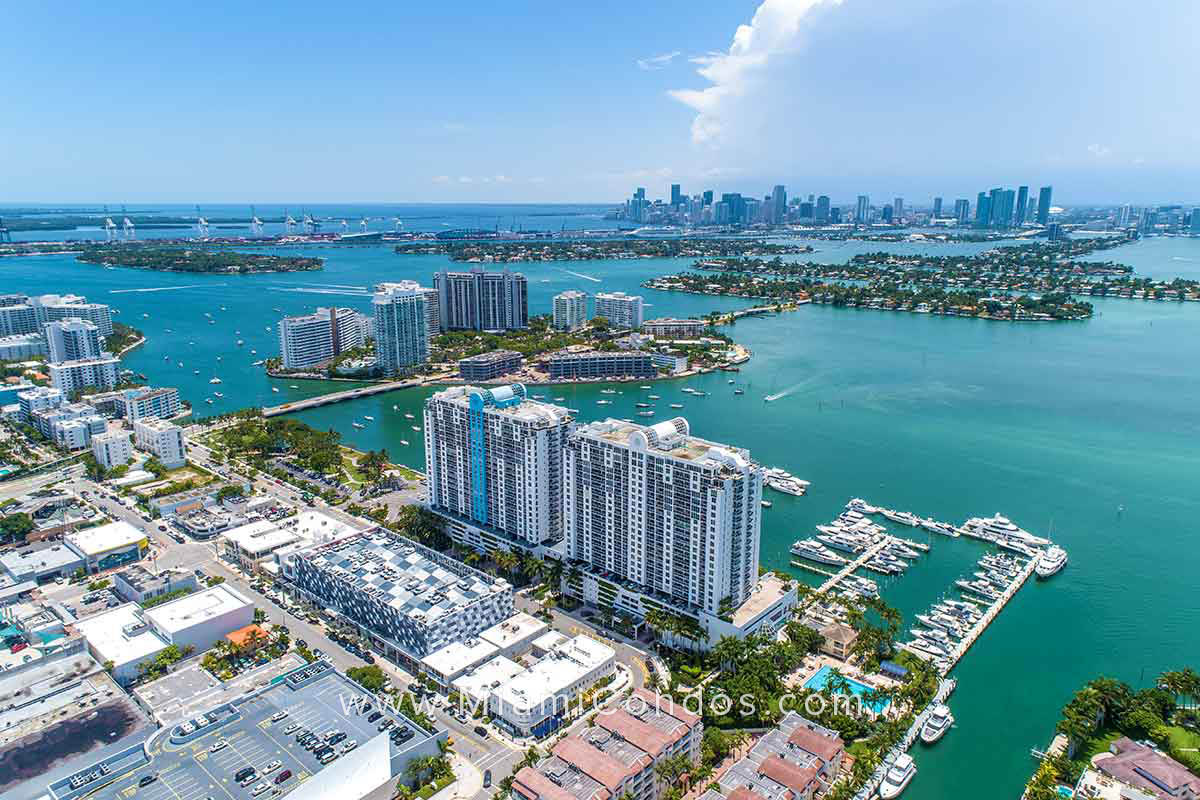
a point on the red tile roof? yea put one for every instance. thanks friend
(744, 794)
(667, 705)
(533, 785)
(823, 747)
(632, 729)
(593, 762)
(787, 774)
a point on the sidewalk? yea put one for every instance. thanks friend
(468, 780)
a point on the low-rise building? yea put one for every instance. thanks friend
(1146, 770)
(667, 328)
(672, 363)
(41, 398)
(477, 684)
(40, 562)
(534, 702)
(839, 640)
(797, 760)
(489, 366)
(108, 546)
(263, 544)
(515, 635)
(112, 448)
(138, 584)
(599, 364)
(165, 440)
(147, 403)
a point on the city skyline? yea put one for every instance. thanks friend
(329, 109)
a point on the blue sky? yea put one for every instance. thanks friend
(225, 102)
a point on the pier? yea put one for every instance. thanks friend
(849, 569)
(802, 564)
(993, 611)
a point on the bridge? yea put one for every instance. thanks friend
(352, 394)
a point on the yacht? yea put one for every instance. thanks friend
(368, 419)
(539, 397)
(839, 541)
(644, 386)
(645, 413)
(603, 402)
(409, 416)
(653, 396)
(999, 528)
(559, 399)
(214, 380)
(608, 391)
(903, 517)
(644, 405)
(293, 386)
(815, 551)
(940, 720)
(739, 391)
(934, 526)
(899, 550)
(676, 405)
(358, 425)
(404, 442)
(898, 776)
(1051, 562)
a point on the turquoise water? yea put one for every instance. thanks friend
(1086, 430)
(821, 679)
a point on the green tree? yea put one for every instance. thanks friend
(15, 527)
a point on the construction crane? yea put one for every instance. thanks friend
(256, 225)
(201, 224)
(289, 223)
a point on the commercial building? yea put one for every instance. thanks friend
(667, 328)
(147, 403)
(40, 562)
(489, 366)
(494, 465)
(674, 515)
(617, 755)
(164, 440)
(797, 760)
(72, 340)
(315, 338)
(595, 364)
(268, 545)
(129, 636)
(137, 584)
(534, 702)
(570, 310)
(406, 599)
(401, 332)
(620, 309)
(21, 346)
(112, 448)
(504, 640)
(73, 376)
(108, 546)
(480, 300)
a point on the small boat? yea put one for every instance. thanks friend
(559, 399)
(644, 386)
(731, 381)
(293, 386)
(253, 352)
(940, 720)
(603, 402)
(217, 394)
(214, 380)
(644, 405)
(208, 400)
(179, 363)
(358, 425)
(409, 416)
(275, 389)
(608, 391)
(898, 776)
(195, 372)
(766, 503)
(166, 358)
(416, 427)
(395, 408)
(645, 413)
(240, 343)
(368, 419)
(404, 442)
(739, 391)
(676, 405)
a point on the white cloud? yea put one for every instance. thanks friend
(775, 30)
(657, 62)
(441, 178)
(1099, 150)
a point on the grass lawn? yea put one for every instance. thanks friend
(1183, 739)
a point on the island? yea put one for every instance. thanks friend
(182, 259)
(596, 249)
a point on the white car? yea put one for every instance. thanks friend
(350, 745)
(219, 746)
(269, 768)
(278, 716)
(259, 789)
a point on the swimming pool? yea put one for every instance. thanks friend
(818, 681)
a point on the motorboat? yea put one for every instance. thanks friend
(903, 517)
(368, 418)
(898, 776)
(1051, 562)
(409, 416)
(404, 442)
(940, 720)
(676, 405)
(358, 425)
(815, 551)
(214, 380)
(645, 413)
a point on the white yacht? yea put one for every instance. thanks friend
(416, 427)
(608, 391)
(274, 388)
(898, 776)
(214, 380)
(903, 517)
(358, 425)
(368, 419)
(940, 720)
(404, 442)
(676, 405)
(1051, 562)
(815, 551)
(409, 416)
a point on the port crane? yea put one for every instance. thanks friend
(398, 224)
(256, 224)
(362, 226)
(310, 223)
(289, 222)
(201, 224)
(127, 225)
(5, 236)
(345, 226)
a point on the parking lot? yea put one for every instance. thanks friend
(195, 771)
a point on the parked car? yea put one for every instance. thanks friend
(481, 731)
(148, 779)
(283, 776)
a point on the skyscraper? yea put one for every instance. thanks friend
(937, 207)
(676, 195)
(570, 310)
(494, 461)
(983, 206)
(1195, 223)
(1043, 212)
(862, 210)
(674, 515)
(1022, 205)
(72, 340)
(898, 210)
(1002, 208)
(401, 335)
(962, 210)
(778, 204)
(708, 197)
(483, 301)
(823, 209)
(736, 205)
(317, 337)
(620, 309)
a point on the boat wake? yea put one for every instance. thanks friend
(337, 286)
(342, 292)
(165, 288)
(790, 390)
(581, 275)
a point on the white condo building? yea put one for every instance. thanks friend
(401, 335)
(494, 462)
(675, 515)
(481, 300)
(72, 340)
(314, 338)
(165, 440)
(112, 449)
(620, 309)
(52, 307)
(433, 315)
(71, 376)
(570, 310)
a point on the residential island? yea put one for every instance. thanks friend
(194, 259)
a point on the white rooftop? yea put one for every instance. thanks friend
(457, 657)
(562, 666)
(514, 631)
(549, 640)
(261, 536)
(479, 682)
(320, 527)
(121, 635)
(105, 538)
(196, 608)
